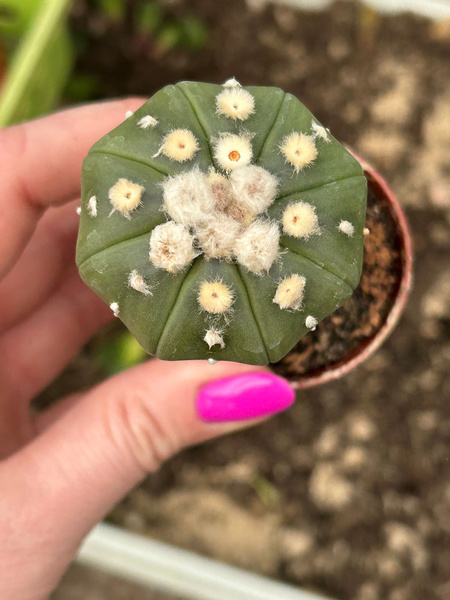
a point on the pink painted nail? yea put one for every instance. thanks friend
(243, 397)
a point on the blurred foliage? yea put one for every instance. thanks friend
(118, 352)
(266, 491)
(187, 32)
(15, 18)
(168, 31)
(112, 9)
(35, 34)
(82, 87)
(37, 53)
(149, 17)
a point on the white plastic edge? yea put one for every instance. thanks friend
(434, 9)
(174, 571)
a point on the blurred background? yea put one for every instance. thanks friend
(348, 493)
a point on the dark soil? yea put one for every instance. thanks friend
(354, 325)
(348, 492)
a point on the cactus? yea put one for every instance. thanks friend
(221, 222)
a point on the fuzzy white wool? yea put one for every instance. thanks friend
(299, 150)
(231, 83)
(320, 131)
(114, 306)
(188, 198)
(311, 322)
(235, 103)
(179, 145)
(232, 151)
(218, 235)
(92, 206)
(236, 212)
(220, 188)
(137, 282)
(257, 247)
(290, 291)
(300, 220)
(125, 196)
(347, 228)
(254, 188)
(171, 247)
(147, 122)
(215, 297)
(214, 337)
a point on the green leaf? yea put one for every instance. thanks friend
(16, 16)
(40, 66)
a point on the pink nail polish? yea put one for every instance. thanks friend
(241, 397)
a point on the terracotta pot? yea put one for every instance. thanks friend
(368, 346)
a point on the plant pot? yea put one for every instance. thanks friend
(355, 331)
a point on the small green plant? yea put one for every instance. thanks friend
(221, 222)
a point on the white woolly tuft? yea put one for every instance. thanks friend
(171, 247)
(290, 291)
(366, 231)
(232, 151)
(179, 145)
(78, 210)
(129, 114)
(114, 306)
(188, 198)
(320, 131)
(92, 206)
(220, 188)
(147, 122)
(214, 337)
(235, 103)
(300, 220)
(254, 188)
(299, 150)
(231, 83)
(137, 282)
(125, 196)
(217, 236)
(311, 322)
(347, 228)
(215, 297)
(257, 247)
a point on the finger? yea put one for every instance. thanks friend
(45, 419)
(35, 351)
(42, 266)
(93, 455)
(41, 161)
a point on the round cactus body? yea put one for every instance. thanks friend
(221, 222)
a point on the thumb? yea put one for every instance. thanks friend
(56, 488)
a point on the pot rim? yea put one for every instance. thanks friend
(367, 348)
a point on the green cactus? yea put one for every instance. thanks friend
(221, 222)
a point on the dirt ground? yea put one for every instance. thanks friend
(349, 492)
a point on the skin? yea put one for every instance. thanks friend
(61, 471)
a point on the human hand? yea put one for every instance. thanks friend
(61, 471)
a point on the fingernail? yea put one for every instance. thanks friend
(241, 397)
